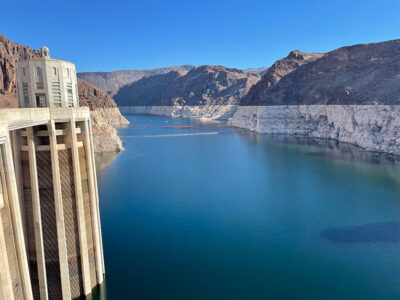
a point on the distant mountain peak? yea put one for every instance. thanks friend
(113, 80)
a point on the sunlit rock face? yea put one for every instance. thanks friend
(205, 92)
(210, 112)
(372, 127)
(350, 94)
(10, 53)
(105, 116)
(360, 74)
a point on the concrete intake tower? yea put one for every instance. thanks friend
(50, 232)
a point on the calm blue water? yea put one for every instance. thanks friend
(213, 213)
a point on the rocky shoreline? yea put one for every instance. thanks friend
(371, 127)
(105, 122)
(209, 112)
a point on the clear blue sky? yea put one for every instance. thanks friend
(112, 35)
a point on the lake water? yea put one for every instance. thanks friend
(210, 212)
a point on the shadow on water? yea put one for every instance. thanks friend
(343, 158)
(387, 232)
(98, 293)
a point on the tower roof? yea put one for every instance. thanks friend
(44, 52)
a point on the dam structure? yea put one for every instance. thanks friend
(50, 231)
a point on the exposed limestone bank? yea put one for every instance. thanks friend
(104, 124)
(113, 117)
(105, 115)
(372, 127)
(211, 112)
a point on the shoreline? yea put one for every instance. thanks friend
(374, 128)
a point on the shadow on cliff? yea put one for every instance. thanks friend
(385, 232)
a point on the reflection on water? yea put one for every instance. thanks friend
(330, 149)
(369, 233)
(373, 166)
(104, 159)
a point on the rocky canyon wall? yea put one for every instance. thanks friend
(209, 92)
(204, 85)
(105, 116)
(372, 127)
(210, 112)
(351, 94)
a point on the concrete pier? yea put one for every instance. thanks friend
(37, 218)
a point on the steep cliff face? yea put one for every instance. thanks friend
(350, 94)
(112, 81)
(205, 88)
(105, 114)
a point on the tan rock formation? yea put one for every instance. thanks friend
(105, 115)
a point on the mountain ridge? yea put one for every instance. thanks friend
(351, 75)
(111, 81)
(203, 85)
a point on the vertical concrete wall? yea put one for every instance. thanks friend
(56, 223)
(10, 269)
(88, 217)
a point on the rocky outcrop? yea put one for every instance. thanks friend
(10, 53)
(359, 74)
(350, 94)
(112, 81)
(104, 111)
(372, 127)
(210, 112)
(105, 116)
(281, 68)
(105, 136)
(205, 92)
